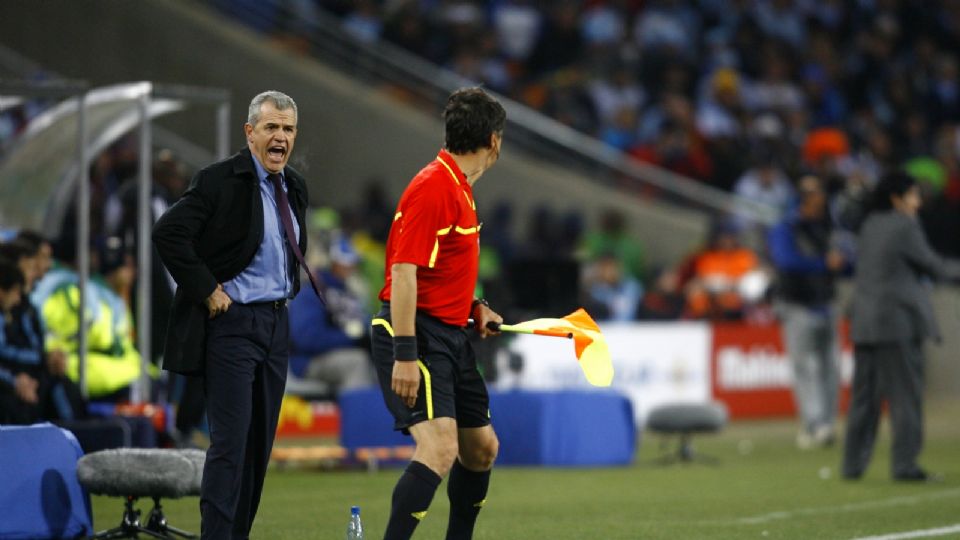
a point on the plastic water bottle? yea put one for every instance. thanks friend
(355, 527)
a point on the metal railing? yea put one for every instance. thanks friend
(151, 100)
(429, 85)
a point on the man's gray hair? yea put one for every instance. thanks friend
(280, 100)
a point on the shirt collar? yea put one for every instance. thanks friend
(446, 158)
(261, 172)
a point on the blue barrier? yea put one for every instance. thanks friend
(39, 493)
(554, 428)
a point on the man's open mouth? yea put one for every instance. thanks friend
(276, 152)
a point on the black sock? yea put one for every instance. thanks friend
(411, 498)
(467, 491)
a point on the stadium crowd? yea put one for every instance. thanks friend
(747, 96)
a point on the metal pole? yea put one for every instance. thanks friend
(144, 253)
(223, 130)
(83, 240)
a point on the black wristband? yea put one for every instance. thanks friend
(478, 302)
(405, 348)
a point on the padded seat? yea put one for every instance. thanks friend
(142, 472)
(685, 420)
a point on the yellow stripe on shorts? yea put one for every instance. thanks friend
(427, 382)
(384, 323)
(428, 389)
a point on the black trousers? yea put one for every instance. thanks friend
(893, 372)
(244, 378)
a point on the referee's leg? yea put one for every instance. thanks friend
(435, 453)
(469, 479)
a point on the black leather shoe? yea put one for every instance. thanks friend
(919, 475)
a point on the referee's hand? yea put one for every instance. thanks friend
(483, 315)
(406, 380)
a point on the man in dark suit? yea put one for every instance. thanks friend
(891, 317)
(233, 249)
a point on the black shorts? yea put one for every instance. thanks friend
(450, 384)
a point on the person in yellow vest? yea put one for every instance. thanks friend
(113, 362)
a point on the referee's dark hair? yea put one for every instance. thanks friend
(893, 183)
(471, 117)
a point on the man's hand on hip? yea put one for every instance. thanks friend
(406, 380)
(218, 301)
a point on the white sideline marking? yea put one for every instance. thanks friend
(849, 507)
(920, 533)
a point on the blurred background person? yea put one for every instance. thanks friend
(18, 390)
(113, 362)
(41, 389)
(891, 317)
(807, 265)
(664, 299)
(611, 294)
(329, 340)
(722, 276)
(612, 236)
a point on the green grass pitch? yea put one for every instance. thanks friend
(763, 488)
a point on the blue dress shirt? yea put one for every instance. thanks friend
(266, 278)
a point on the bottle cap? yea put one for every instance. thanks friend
(355, 510)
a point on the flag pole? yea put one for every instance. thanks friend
(500, 327)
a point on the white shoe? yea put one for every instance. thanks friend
(804, 440)
(823, 436)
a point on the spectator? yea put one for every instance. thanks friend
(603, 25)
(406, 27)
(718, 274)
(613, 237)
(560, 44)
(328, 340)
(498, 233)
(364, 23)
(720, 118)
(719, 112)
(33, 385)
(621, 131)
(517, 26)
(169, 180)
(112, 361)
(824, 102)
(775, 91)
(679, 150)
(782, 19)
(615, 93)
(668, 26)
(43, 249)
(664, 300)
(543, 234)
(18, 391)
(806, 264)
(765, 183)
(611, 294)
(376, 214)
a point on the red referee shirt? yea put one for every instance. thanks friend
(435, 227)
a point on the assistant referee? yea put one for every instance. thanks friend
(425, 363)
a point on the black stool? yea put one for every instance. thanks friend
(685, 420)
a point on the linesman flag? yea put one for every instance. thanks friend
(590, 347)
